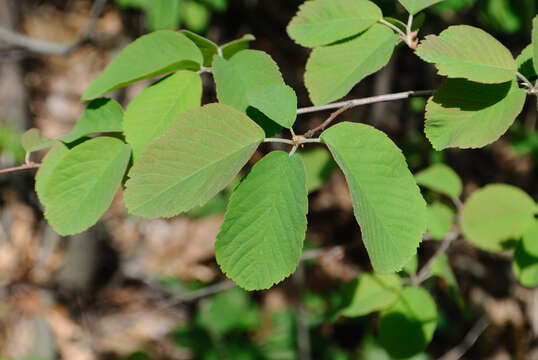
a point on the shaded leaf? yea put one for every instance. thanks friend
(440, 178)
(101, 116)
(441, 268)
(248, 72)
(468, 52)
(386, 199)
(321, 22)
(525, 262)
(332, 71)
(233, 47)
(525, 64)
(535, 42)
(373, 293)
(278, 102)
(34, 140)
(156, 107)
(169, 50)
(197, 156)
(262, 235)
(440, 220)
(407, 327)
(206, 46)
(467, 114)
(319, 166)
(414, 6)
(371, 350)
(496, 214)
(82, 184)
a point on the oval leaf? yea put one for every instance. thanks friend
(101, 116)
(525, 63)
(321, 22)
(386, 199)
(206, 46)
(467, 114)
(440, 220)
(373, 293)
(248, 72)
(332, 71)
(154, 109)
(414, 6)
(464, 51)
(407, 327)
(198, 155)
(261, 239)
(168, 51)
(442, 179)
(233, 47)
(278, 102)
(82, 184)
(496, 214)
(526, 257)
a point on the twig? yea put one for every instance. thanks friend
(20, 168)
(366, 101)
(48, 47)
(278, 140)
(469, 340)
(327, 122)
(425, 271)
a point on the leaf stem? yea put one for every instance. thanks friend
(393, 27)
(278, 140)
(409, 24)
(525, 80)
(366, 101)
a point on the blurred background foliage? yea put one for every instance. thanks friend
(121, 290)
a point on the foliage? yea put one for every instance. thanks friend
(171, 156)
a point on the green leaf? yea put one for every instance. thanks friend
(406, 328)
(48, 164)
(319, 166)
(82, 184)
(418, 21)
(321, 22)
(262, 235)
(206, 46)
(414, 6)
(440, 220)
(535, 43)
(441, 268)
(386, 199)
(34, 140)
(196, 16)
(525, 64)
(442, 179)
(101, 116)
(278, 102)
(496, 214)
(168, 51)
(233, 47)
(412, 266)
(229, 310)
(156, 107)
(466, 114)
(248, 72)
(373, 293)
(198, 155)
(464, 51)
(371, 350)
(332, 71)
(163, 14)
(525, 263)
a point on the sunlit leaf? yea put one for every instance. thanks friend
(440, 220)
(440, 178)
(233, 47)
(414, 6)
(525, 263)
(386, 199)
(34, 140)
(278, 102)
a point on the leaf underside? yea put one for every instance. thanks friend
(197, 156)
(414, 6)
(262, 236)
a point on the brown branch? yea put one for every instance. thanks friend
(20, 168)
(327, 122)
(469, 340)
